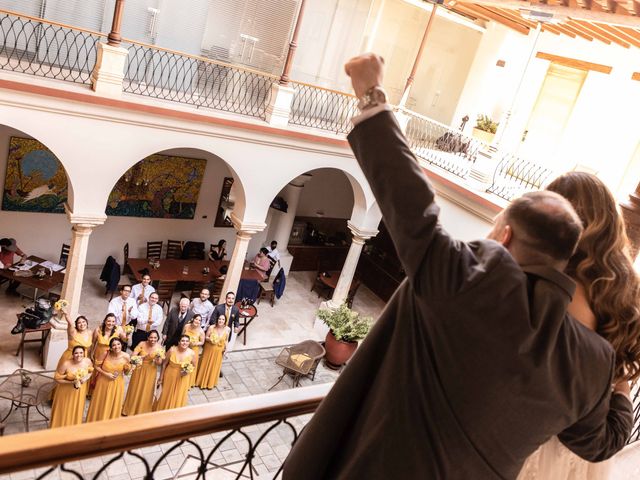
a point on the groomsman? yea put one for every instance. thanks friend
(176, 320)
(141, 291)
(150, 317)
(123, 306)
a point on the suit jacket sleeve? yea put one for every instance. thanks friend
(603, 431)
(236, 315)
(432, 260)
(168, 322)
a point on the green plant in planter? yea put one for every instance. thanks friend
(484, 123)
(345, 324)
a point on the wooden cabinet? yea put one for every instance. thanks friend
(381, 278)
(307, 257)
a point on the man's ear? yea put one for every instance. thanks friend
(506, 236)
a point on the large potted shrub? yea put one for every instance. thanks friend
(485, 129)
(346, 329)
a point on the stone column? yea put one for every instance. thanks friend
(349, 268)
(244, 232)
(82, 226)
(282, 223)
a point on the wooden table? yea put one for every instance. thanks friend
(331, 281)
(247, 315)
(172, 269)
(46, 283)
(43, 329)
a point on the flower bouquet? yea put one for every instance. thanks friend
(186, 368)
(136, 360)
(60, 304)
(128, 329)
(79, 375)
(160, 353)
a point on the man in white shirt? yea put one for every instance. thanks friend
(203, 306)
(123, 307)
(274, 254)
(141, 291)
(150, 317)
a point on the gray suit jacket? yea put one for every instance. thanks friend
(472, 364)
(173, 328)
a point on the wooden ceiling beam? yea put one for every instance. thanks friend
(518, 27)
(603, 33)
(620, 34)
(565, 31)
(631, 32)
(515, 16)
(577, 26)
(579, 33)
(458, 8)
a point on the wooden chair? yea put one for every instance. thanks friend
(165, 291)
(216, 290)
(267, 291)
(300, 360)
(154, 250)
(194, 292)
(355, 284)
(126, 269)
(174, 249)
(193, 251)
(64, 255)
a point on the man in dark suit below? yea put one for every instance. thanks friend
(474, 362)
(230, 312)
(176, 320)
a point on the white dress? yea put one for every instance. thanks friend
(554, 461)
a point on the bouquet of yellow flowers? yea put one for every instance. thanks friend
(78, 376)
(160, 353)
(136, 360)
(60, 304)
(186, 368)
(128, 329)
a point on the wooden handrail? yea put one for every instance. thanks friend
(317, 87)
(62, 445)
(50, 22)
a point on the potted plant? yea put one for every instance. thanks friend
(485, 129)
(346, 329)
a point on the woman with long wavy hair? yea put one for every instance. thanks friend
(606, 301)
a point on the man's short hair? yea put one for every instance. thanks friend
(126, 285)
(545, 223)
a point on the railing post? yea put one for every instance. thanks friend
(114, 37)
(279, 106)
(108, 74)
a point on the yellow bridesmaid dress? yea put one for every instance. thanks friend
(142, 384)
(76, 340)
(211, 362)
(102, 346)
(68, 402)
(194, 338)
(175, 387)
(108, 396)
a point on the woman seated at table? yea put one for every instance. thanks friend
(142, 385)
(214, 347)
(261, 262)
(72, 377)
(218, 252)
(108, 396)
(78, 334)
(174, 378)
(193, 330)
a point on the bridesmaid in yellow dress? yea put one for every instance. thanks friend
(72, 377)
(175, 378)
(143, 380)
(108, 396)
(102, 335)
(214, 347)
(194, 331)
(78, 334)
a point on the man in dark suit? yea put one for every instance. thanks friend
(176, 320)
(230, 312)
(474, 362)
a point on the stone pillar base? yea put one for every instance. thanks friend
(279, 106)
(108, 74)
(56, 344)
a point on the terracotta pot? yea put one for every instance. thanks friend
(486, 137)
(338, 352)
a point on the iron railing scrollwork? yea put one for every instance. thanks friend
(321, 108)
(159, 73)
(440, 145)
(47, 50)
(514, 176)
(635, 399)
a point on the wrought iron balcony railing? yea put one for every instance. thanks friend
(514, 175)
(160, 73)
(241, 429)
(322, 108)
(47, 49)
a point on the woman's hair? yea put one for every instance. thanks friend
(154, 331)
(221, 243)
(114, 340)
(194, 317)
(185, 336)
(603, 266)
(103, 327)
(264, 250)
(82, 317)
(78, 347)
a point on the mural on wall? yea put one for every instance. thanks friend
(160, 186)
(35, 179)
